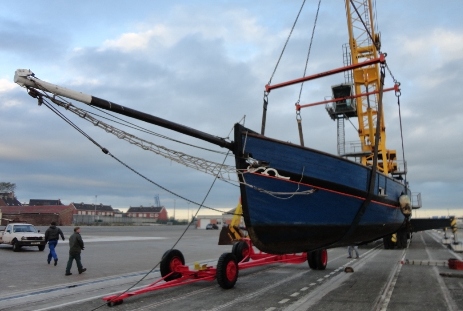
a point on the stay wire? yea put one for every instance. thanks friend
(41, 92)
(122, 121)
(67, 120)
(310, 47)
(106, 151)
(286, 43)
(142, 129)
(402, 138)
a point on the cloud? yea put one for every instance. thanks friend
(205, 65)
(131, 42)
(438, 48)
(6, 85)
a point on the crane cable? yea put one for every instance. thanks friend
(397, 94)
(298, 110)
(286, 43)
(310, 47)
(264, 108)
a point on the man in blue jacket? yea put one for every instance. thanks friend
(76, 245)
(52, 236)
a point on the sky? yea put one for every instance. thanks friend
(204, 64)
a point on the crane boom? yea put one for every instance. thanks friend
(364, 44)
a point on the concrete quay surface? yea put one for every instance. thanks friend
(118, 258)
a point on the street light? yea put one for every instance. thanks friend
(94, 216)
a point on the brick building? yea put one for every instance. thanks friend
(152, 212)
(41, 215)
(45, 202)
(94, 209)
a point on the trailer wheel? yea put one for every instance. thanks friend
(402, 239)
(317, 259)
(241, 251)
(322, 259)
(312, 260)
(170, 260)
(16, 246)
(114, 303)
(387, 242)
(227, 270)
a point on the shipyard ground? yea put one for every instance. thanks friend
(119, 257)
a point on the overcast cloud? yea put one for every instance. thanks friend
(204, 64)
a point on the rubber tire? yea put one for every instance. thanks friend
(312, 260)
(41, 248)
(241, 250)
(16, 247)
(227, 271)
(402, 240)
(322, 259)
(317, 259)
(169, 261)
(114, 303)
(387, 242)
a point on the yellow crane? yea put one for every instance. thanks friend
(364, 43)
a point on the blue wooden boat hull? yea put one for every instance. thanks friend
(298, 199)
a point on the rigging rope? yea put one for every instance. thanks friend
(264, 109)
(298, 110)
(209, 167)
(310, 47)
(286, 43)
(106, 151)
(402, 139)
(144, 130)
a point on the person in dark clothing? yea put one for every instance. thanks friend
(76, 245)
(52, 236)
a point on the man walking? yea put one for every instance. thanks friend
(76, 245)
(52, 236)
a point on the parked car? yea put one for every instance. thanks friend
(21, 234)
(211, 227)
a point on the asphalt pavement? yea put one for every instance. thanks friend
(122, 258)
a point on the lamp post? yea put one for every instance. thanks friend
(188, 215)
(94, 216)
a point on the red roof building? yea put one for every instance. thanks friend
(41, 215)
(155, 213)
(94, 209)
(8, 199)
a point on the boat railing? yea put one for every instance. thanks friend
(353, 150)
(401, 167)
